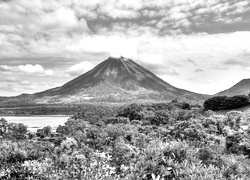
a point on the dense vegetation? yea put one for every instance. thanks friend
(55, 109)
(167, 141)
(224, 102)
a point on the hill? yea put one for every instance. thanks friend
(241, 88)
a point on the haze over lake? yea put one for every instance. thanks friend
(37, 122)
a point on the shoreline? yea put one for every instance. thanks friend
(31, 115)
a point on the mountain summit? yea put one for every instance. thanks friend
(115, 79)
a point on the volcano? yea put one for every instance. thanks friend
(115, 79)
(118, 73)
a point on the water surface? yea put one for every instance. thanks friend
(37, 122)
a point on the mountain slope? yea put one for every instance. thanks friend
(115, 79)
(241, 88)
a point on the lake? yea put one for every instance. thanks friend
(37, 122)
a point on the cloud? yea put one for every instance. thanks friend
(10, 79)
(79, 69)
(172, 72)
(27, 69)
(157, 64)
(70, 28)
(190, 61)
(106, 44)
(151, 59)
(234, 62)
(63, 19)
(199, 70)
(25, 82)
(9, 88)
(29, 87)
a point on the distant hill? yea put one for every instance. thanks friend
(241, 88)
(115, 79)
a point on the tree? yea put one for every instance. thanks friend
(224, 102)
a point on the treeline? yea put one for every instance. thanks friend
(56, 109)
(225, 102)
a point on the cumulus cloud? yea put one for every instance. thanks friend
(79, 69)
(28, 69)
(63, 19)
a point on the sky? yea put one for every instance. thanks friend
(198, 45)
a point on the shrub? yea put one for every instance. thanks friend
(160, 117)
(63, 130)
(44, 132)
(206, 155)
(183, 105)
(235, 119)
(17, 131)
(12, 130)
(133, 112)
